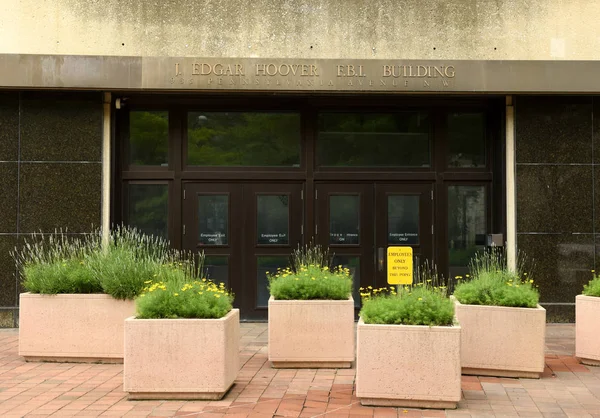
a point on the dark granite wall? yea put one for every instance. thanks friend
(558, 195)
(50, 174)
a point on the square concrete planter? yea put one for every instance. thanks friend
(502, 341)
(587, 329)
(181, 358)
(311, 333)
(408, 366)
(72, 327)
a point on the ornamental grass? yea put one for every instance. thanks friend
(61, 263)
(310, 276)
(492, 283)
(423, 303)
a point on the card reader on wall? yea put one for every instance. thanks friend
(495, 240)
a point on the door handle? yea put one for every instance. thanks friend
(380, 259)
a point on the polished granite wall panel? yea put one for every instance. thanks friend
(560, 313)
(9, 126)
(554, 129)
(8, 197)
(558, 205)
(597, 198)
(8, 281)
(555, 198)
(50, 174)
(562, 263)
(596, 130)
(60, 196)
(61, 129)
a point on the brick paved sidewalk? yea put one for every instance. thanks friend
(567, 389)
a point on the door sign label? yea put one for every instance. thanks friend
(399, 265)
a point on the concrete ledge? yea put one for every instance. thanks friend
(502, 341)
(473, 371)
(311, 333)
(72, 327)
(408, 403)
(311, 364)
(587, 329)
(181, 358)
(408, 365)
(173, 396)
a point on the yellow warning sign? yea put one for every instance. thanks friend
(399, 265)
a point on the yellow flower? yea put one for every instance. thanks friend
(593, 271)
(217, 296)
(148, 281)
(420, 299)
(175, 294)
(530, 281)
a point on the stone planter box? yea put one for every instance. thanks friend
(502, 341)
(181, 358)
(311, 333)
(72, 327)
(408, 366)
(587, 329)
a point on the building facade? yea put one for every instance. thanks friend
(243, 129)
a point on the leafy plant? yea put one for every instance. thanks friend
(172, 296)
(129, 259)
(424, 303)
(310, 276)
(593, 287)
(57, 263)
(492, 283)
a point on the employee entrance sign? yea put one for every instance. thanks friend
(399, 265)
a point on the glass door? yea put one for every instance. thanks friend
(358, 222)
(404, 219)
(273, 226)
(212, 223)
(344, 224)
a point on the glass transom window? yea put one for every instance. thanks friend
(374, 140)
(243, 139)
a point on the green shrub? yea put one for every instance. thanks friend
(128, 260)
(57, 263)
(172, 296)
(311, 282)
(310, 277)
(424, 303)
(67, 276)
(593, 287)
(492, 283)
